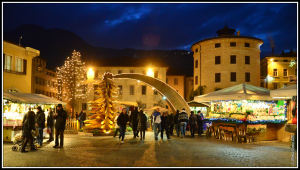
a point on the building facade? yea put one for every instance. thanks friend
(226, 60)
(177, 82)
(278, 71)
(188, 87)
(17, 67)
(44, 81)
(130, 90)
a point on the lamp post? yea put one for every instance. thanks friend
(150, 72)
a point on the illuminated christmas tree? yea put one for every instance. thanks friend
(104, 107)
(71, 79)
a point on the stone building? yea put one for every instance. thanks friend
(226, 60)
(177, 82)
(279, 71)
(44, 80)
(17, 67)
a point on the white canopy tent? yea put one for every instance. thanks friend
(285, 92)
(30, 98)
(238, 92)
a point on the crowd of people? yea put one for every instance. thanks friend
(161, 123)
(36, 122)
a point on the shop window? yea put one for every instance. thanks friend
(247, 59)
(217, 59)
(217, 77)
(247, 76)
(196, 64)
(285, 72)
(8, 62)
(175, 81)
(275, 73)
(196, 80)
(232, 44)
(144, 90)
(131, 89)
(217, 45)
(247, 45)
(233, 76)
(233, 59)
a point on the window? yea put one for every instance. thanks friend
(144, 72)
(275, 85)
(196, 50)
(131, 71)
(232, 44)
(196, 64)
(155, 92)
(233, 76)
(217, 77)
(144, 89)
(217, 45)
(286, 60)
(36, 80)
(120, 87)
(247, 76)
(131, 90)
(7, 60)
(275, 74)
(196, 80)
(167, 80)
(175, 81)
(285, 73)
(217, 59)
(247, 59)
(232, 59)
(156, 74)
(84, 106)
(247, 45)
(119, 71)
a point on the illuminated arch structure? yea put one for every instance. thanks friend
(173, 98)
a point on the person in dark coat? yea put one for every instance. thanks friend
(28, 125)
(122, 121)
(142, 124)
(164, 125)
(171, 121)
(50, 125)
(134, 121)
(200, 123)
(176, 122)
(60, 125)
(40, 123)
(192, 123)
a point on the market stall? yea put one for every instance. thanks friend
(15, 105)
(244, 113)
(204, 107)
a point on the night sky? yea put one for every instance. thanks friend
(160, 25)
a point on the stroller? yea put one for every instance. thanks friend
(18, 141)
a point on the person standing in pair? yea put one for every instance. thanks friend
(28, 125)
(183, 120)
(192, 123)
(116, 126)
(50, 125)
(122, 121)
(60, 125)
(200, 123)
(156, 123)
(164, 125)
(142, 124)
(176, 122)
(40, 124)
(134, 121)
(171, 122)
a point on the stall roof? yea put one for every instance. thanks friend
(289, 92)
(193, 103)
(30, 98)
(238, 92)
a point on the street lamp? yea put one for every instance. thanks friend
(90, 74)
(150, 72)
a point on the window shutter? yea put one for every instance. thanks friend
(24, 66)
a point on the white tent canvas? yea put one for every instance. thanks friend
(30, 98)
(238, 92)
(288, 92)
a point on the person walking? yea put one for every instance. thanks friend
(60, 125)
(164, 125)
(116, 126)
(40, 123)
(28, 125)
(134, 121)
(142, 124)
(171, 123)
(200, 123)
(176, 122)
(50, 125)
(156, 123)
(183, 120)
(122, 121)
(192, 123)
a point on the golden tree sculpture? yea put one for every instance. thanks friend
(103, 107)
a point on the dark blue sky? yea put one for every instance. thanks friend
(160, 25)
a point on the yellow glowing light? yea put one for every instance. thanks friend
(271, 60)
(150, 72)
(90, 73)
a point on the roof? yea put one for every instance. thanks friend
(197, 104)
(30, 98)
(285, 92)
(238, 92)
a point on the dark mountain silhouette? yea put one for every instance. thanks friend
(56, 44)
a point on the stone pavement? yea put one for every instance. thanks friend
(105, 151)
